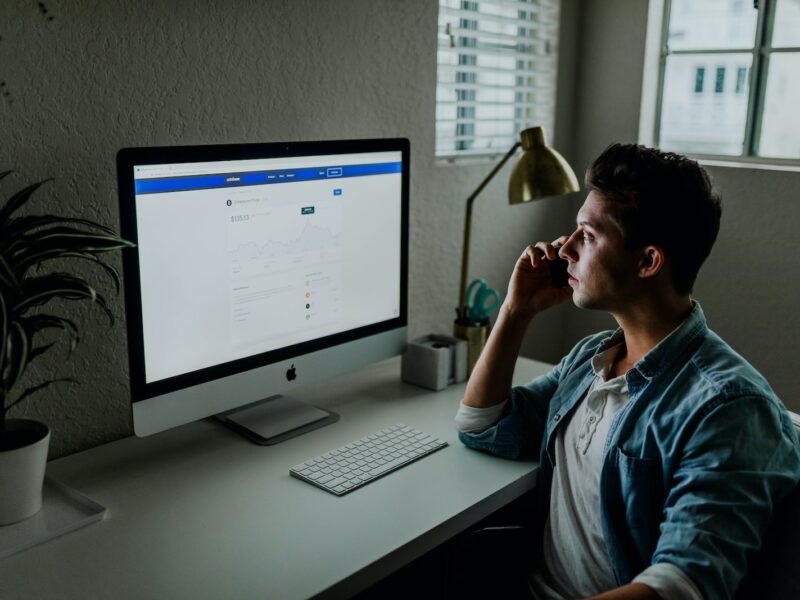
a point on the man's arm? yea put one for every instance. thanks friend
(530, 291)
(740, 460)
(491, 378)
(632, 591)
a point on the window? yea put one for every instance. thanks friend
(719, 86)
(752, 112)
(496, 73)
(741, 73)
(699, 75)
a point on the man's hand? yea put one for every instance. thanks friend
(531, 289)
(529, 292)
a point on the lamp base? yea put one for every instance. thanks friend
(476, 336)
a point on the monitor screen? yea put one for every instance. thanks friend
(256, 256)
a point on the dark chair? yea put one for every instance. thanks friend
(502, 545)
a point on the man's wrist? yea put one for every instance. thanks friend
(517, 316)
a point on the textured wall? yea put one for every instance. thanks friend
(87, 77)
(750, 286)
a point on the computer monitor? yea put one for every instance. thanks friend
(259, 268)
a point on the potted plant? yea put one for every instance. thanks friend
(34, 252)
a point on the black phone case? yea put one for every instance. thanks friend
(558, 272)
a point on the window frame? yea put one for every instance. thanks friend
(757, 84)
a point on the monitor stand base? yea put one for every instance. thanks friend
(276, 419)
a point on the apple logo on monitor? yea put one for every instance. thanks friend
(291, 374)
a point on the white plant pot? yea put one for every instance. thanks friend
(22, 471)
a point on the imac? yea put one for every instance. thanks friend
(259, 268)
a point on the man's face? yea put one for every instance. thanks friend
(603, 275)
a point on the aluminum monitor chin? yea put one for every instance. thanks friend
(259, 268)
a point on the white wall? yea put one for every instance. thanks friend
(750, 286)
(101, 76)
(104, 75)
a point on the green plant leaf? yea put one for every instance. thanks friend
(30, 223)
(37, 260)
(27, 242)
(27, 250)
(40, 290)
(70, 235)
(17, 356)
(32, 390)
(3, 342)
(18, 200)
(39, 350)
(24, 237)
(20, 349)
(71, 238)
(39, 322)
(8, 279)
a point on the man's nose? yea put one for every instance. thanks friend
(567, 250)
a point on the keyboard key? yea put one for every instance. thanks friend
(387, 467)
(336, 482)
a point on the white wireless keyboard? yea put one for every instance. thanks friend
(353, 465)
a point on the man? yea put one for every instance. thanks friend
(662, 452)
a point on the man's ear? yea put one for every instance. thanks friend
(652, 261)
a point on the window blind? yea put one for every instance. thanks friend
(496, 73)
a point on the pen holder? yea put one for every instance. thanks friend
(476, 336)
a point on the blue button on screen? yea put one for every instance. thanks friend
(337, 192)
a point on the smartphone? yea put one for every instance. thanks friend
(558, 272)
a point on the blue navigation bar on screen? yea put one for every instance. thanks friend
(224, 180)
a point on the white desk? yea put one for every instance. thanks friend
(199, 512)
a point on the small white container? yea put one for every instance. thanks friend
(434, 361)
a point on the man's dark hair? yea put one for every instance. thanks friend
(663, 199)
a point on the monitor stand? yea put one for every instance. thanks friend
(276, 419)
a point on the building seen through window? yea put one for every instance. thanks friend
(699, 76)
(729, 85)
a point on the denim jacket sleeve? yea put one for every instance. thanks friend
(720, 500)
(519, 431)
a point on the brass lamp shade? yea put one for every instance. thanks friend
(540, 171)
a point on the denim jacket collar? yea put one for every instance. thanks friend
(668, 349)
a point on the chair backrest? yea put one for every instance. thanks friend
(775, 574)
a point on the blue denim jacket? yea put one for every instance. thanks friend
(694, 462)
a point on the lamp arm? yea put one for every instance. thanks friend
(468, 227)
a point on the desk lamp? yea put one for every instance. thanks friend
(540, 172)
